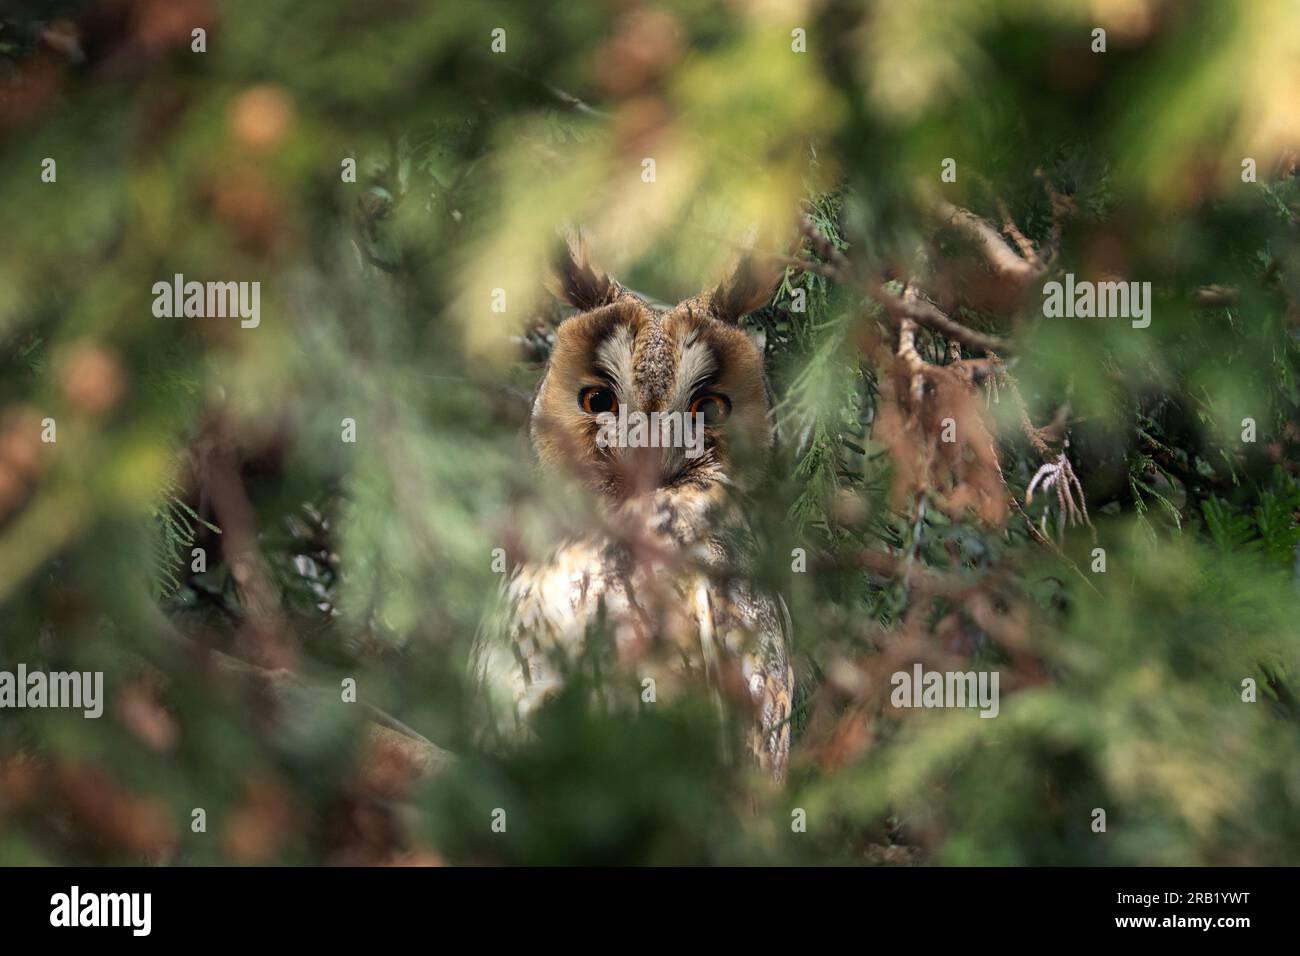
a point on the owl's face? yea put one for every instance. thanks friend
(636, 399)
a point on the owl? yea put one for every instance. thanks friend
(663, 418)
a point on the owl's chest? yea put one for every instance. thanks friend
(635, 607)
(677, 623)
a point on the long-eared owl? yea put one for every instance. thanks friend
(665, 575)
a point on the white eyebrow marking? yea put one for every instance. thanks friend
(615, 357)
(695, 362)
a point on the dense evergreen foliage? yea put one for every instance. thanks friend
(202, 531)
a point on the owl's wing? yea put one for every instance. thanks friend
(539, 621)
(500, 671)
(765, 665)
(513, 661)
(774, 697)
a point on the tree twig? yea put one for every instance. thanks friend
(924, 313)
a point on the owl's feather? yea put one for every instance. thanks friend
(663, 580)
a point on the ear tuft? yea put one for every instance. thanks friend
(580, 283)
(751, 285)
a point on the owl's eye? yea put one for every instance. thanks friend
(714, 407)
(595, 399)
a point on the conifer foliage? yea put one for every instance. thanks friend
(274, 300)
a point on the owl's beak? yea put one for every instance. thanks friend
(647, 468)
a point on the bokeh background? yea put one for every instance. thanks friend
(326, 560)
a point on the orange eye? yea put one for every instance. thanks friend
(595, 399)
(714, 407)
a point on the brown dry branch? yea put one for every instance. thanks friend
(1038, 437)
(903, 430)
(1216, 295)
(844, 711)
(826, 250)
(914, 307)
(925, 313)
(1050, 545)
(808, 265)
(997, 252)
(266, 635)
(936, 435)
(1022, 242)
(1056, 471)
(1042, 256)
(1063, 207)
(284, 686)
(923, 580)
(912, 358)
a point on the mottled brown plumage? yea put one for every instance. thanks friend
(665, 578)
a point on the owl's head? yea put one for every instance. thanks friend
(637, 398)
